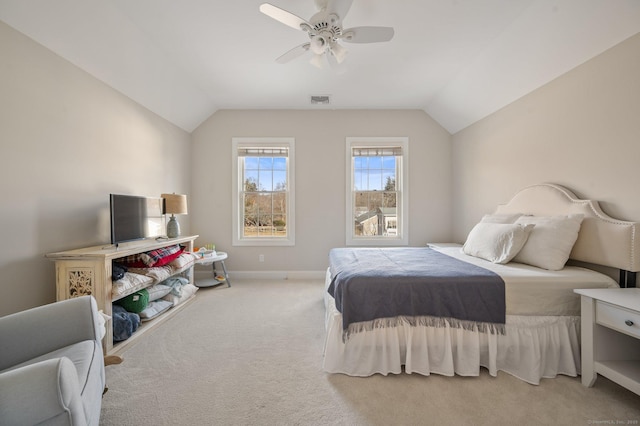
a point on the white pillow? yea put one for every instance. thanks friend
(183, 261)
(501, 218)
(187, 291)
(496, 242)
(154, 309)
(551, 240)
(158, 291)
(128, 282)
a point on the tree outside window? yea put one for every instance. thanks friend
(264, 211)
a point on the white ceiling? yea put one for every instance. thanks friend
(459, 60)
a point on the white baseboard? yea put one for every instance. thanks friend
(267, 275)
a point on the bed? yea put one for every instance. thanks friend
(534, 331)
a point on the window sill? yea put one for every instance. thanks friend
(266, 242)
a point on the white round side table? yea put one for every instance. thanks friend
(220, 256)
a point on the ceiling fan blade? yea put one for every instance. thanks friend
(293, 53)
(338, 52)
(339, 7)
(283, 16)
(318, 60)
(367, 34)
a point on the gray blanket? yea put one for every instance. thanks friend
(376, 287)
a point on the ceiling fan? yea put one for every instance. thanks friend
(325, 31)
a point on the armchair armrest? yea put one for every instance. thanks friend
(28, 334)
(41, 392)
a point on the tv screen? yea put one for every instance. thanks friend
(135, 218)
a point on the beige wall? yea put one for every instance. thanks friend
(67, 141)
(320, 140)
(581, 130)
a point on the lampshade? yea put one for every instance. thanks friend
(175, 203)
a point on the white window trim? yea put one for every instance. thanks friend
(403, 206)
(236, 190)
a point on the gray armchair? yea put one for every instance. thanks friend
(51, 364)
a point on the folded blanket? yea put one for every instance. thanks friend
(117, 271)
(176, 284)
(372, 287)
(124, 323)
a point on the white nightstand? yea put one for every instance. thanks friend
(611, 336)
(219, 256)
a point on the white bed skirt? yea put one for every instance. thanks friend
(532, 348)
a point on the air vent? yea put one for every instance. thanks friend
(320, 99)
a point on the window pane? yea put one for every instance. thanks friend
(266, 162)
(262, 180)
(279, 203)
(279, 180)
(361, 202)
(251, 180)
(375, 214)
(359, 182)
(264, 203)
(266, 180)
(375, 180)
(264, 190)
(389, 163)
(280, 225)
(389, 181)
(251, 163)
(250, 214)
(390, 199)
(264, 227)
(280, 163)
(375, 162)
(376, 176)
(375, 200)
(390, 225)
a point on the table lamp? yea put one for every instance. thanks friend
(174, 204)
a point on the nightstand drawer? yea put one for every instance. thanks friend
(618, 318)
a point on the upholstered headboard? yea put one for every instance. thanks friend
(602, 240)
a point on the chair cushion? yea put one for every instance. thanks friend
(82, 354)
(86, 358)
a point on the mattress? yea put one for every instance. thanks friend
(534, 291)
(541, 339)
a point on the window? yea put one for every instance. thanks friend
(377, 191)
(263, 207)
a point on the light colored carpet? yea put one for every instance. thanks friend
(252, 355)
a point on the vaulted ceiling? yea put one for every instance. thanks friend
(459, 60)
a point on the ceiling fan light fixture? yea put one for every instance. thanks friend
(318, 44)
(338, 52)
(317, 61)
(324, 30)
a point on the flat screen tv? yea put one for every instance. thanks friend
(135, 218)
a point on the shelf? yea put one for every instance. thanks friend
(626, 373)
(610, 346)
(88, 271)
(119, 347)
(154, 281)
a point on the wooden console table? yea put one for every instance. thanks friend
(87, 271)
